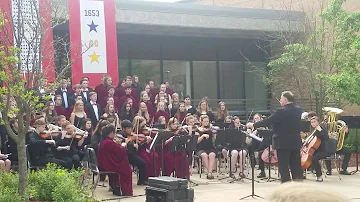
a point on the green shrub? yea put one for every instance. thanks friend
(351, 142)
(9, 187)
(49, 184)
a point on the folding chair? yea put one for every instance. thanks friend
(331, 149)
(93, 166)
(29, 164)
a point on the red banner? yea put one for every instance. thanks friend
(93, 40)
(28, 10)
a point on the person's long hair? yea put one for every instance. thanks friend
(124, 113)
(98, 129)
(106, 130)
(221, 114)
(49, 118)
(144, 114)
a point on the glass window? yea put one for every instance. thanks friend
(123, 69)
(176, 72)
(231, 80)
(146, 70)
(256, 90)
(205, 82)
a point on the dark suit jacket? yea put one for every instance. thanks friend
(87, 95)
(91, 113)
(69, 96)
(286, 124)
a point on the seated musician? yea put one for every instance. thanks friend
(152, 159)
(11, 144)
(132, 152)
(240, 152)
(67, 145)
(113, 157)
(5, 163)
(206, 149)
(256, 146)
(320, 153)
(40, 149)
(343, 151)
(175, 161)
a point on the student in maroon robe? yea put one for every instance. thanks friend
(113, 157)
(121, 90)
(168, 90)
(136, 85)
(101, 90)
(160, 111)
(181, 112)
(60, 110)
(150, 157)
(153, 90)
(111, 94)
(127, 95)
(175, 161)
(144, 97)
(110, 101)
(143, 112)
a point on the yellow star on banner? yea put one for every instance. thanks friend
(94, 57)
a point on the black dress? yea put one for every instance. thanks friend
(78, 121)
(71, 156)
(206, 145)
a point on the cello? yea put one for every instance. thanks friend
(310, 145)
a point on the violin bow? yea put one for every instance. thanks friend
(250, 116)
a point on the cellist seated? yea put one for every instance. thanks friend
(320, 153)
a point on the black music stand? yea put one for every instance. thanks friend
(183, 144)
(234, 139)
(222, 125)
(353, 122)
(159, 141)
(267, 135)
(253, 195)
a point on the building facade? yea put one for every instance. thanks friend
(203, 50)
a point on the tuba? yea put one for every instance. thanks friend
(336, 128)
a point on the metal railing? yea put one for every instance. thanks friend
(243, 107)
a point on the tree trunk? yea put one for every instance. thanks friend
(23, 174)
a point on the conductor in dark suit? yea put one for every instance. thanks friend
(286, 123)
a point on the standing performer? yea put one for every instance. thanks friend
(286, 122)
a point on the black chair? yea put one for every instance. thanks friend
(331, 145)
(93, 166)
(29, 164)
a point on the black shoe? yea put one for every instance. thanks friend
(117, 191)
(261, 175)
(344, 172)
(328, 172)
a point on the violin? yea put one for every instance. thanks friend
(49, 134)
(149, 131)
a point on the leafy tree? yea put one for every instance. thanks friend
(20, 97)
(345, 58)
(314, 68)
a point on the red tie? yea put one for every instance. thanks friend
(93, 103)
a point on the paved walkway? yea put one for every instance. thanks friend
(221, 190)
